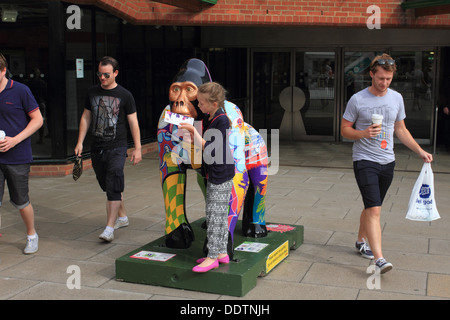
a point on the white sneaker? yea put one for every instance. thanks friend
(120, 223)
(32, 245)
(107, 236)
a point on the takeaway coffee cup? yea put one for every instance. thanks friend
(2, 135)
(377, 118)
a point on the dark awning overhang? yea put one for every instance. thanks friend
(427, 7)
(191, 5)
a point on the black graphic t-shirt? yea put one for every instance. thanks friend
(109, 110)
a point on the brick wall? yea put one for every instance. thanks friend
(269, 12)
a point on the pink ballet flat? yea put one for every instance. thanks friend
(213, 265)
(224, 260)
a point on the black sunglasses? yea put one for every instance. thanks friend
(390, 62)
(105, 74)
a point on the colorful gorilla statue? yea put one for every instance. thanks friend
(177, 155)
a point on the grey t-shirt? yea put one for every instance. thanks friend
(359, 110)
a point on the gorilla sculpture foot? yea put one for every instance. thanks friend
(254, 230)
(181, 238)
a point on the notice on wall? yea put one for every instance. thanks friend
(80, 68)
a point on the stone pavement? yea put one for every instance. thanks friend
(314, 187)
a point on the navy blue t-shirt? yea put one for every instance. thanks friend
(16, 103)
(218, 162)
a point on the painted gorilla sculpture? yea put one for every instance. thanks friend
(176, 156)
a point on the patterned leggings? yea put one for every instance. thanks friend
(217, 198)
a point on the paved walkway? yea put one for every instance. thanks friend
(314, 187)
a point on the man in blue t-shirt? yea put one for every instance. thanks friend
(19, 119)
(373, 150)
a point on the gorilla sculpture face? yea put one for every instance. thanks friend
(183, 95)
(183, 91)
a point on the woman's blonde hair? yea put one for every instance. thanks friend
(214, 92)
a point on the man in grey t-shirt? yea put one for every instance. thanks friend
(373, 150)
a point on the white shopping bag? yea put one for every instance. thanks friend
(422, 205)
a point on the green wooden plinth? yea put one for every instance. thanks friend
(234, 279)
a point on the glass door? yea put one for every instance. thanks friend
(355, 75)
(271, 74)
(415, 81)
(294, 91)
(356, 72)
(314, 105)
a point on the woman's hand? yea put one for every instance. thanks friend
(193, 135)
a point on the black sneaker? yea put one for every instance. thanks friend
(364, 249)
(382, 265)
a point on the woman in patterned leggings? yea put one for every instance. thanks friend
(218, 165)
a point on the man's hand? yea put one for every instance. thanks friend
(136, 156)
(7, 143)
(78, 149)
(427, 157)
(373, 130)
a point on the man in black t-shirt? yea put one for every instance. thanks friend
(108, 108)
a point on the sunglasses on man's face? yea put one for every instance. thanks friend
(390, 62)
(105, 74)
